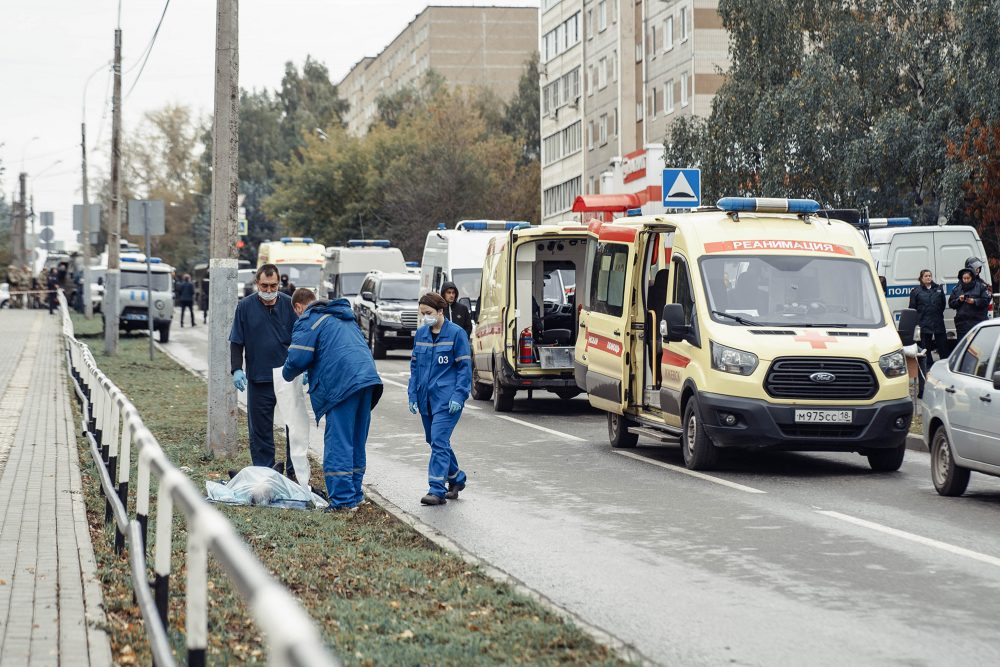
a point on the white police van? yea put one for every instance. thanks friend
(136, 290)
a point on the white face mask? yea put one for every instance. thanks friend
(268, 296)
(429, 320)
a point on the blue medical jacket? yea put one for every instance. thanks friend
(265, 332)
(327, 342)
(440, 370)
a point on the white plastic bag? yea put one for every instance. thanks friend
(292, 406)
(257, 485)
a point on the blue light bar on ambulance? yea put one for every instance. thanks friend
(889, 222)
(296, 239)
(413, 265)
(370, 243)
(497, 225)
(767, 205)
(131, 259)
(155, 260)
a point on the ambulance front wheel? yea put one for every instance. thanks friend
(700, 453)
(480, 390)
(618, 432)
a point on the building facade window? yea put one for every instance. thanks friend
(614, 11)
(560, 197)
(602, 16)
(638, 112)
(684, 23)
(602, 73)
(563, 143)
(668, 96)
(590, 136)
(614, 65)
(561, 38)
(603, 128)
(564, 90)
(590, 24)
(684, 89)
(614, 125)
(668, 34)
(549, 4)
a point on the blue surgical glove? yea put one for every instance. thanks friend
(454, 407)
(305, 377)
(240, 380)
(413, 408)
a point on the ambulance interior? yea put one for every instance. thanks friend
(656, 274)
(545, 277)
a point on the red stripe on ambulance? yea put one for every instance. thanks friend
(604, 344)
(671, 358)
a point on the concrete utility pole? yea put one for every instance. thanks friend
(21, 222)
(111, 280)
(221, 438)
(88, 306)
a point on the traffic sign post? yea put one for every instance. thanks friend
(146, 217)
(681, 188)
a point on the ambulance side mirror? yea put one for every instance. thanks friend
(672, 326)
(907, 326)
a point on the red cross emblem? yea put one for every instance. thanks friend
(815, 339)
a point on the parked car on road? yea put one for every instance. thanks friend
(961, 411)
(386, 310)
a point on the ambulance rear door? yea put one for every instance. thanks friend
(606, 352)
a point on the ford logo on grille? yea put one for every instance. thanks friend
(823, 378)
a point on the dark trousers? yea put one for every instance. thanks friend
(188, 306)
(260, 417)
(932, 343)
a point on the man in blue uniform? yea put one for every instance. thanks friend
(344, 386)
(262, 330)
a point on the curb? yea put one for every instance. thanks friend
(623, 649)
(916, 443)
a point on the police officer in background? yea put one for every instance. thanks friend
(456, 312)
(971, 301)
(262, 331)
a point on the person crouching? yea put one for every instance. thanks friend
(344, 386)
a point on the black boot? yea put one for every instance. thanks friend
(431, 499)
(453, 490)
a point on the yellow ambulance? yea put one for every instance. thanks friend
(526, 329)
(756, 324)
(301, 259)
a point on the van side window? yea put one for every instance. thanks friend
(607, 284)
(436, 280)
(682, 290)
(976, 358)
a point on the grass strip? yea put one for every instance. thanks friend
(381, 593)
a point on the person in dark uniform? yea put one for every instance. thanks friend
(456, 312)
(51, 284)
(262, 331)
(971, 300)
(185, 297)
(929, 300)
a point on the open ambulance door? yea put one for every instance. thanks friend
(603, 345)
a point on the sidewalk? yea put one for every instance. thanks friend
(51, 611)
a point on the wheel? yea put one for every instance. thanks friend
(700, 453)
(374, 344)
(503, 399)
(480, 390)
(618, 432)
(164, 334)
(889, 459)
(949, 479)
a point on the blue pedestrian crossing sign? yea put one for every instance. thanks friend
(682, 188)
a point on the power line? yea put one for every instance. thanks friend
(149, 49)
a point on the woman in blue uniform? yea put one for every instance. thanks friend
(440, 381)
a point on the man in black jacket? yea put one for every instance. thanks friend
(971, 300)
(185, 297)
(455, 311)
(929, 300)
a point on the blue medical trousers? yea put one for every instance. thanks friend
(260, 416)
(344, 448)
(443, 466)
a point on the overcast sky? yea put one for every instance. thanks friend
(49, 48)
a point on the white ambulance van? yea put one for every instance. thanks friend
(347, 266)
(902, 251)
(301, 259)
(526, 332)
(456, 255)
(757, 324)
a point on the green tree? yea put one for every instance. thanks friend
(522, 118)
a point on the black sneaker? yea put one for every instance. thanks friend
(431, 499)
(453, 490)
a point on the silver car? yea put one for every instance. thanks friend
(961, 411)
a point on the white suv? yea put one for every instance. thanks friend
(961, 411)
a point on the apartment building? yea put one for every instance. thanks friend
(468, 46)
(645, 63)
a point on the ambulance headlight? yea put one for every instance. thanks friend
(729, 360)
(390, 315)
(893, 364)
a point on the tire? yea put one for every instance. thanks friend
(503, 399)
(699, 452)
(948, 478)
(374, 344)
(164, 334)
(618, 432)
(480, 390)
(889, 459)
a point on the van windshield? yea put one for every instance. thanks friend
(136, 280)
(350, 283)
(784, 290)
(468, 281)
(302, 275)
(399, 290)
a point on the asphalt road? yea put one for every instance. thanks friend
(776, 559)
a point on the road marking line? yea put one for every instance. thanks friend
(542, 428)
(394, 383)
(472, 407)
(919, 539)
(692, 473)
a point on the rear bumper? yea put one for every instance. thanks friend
(510, 378)
(762, 425)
